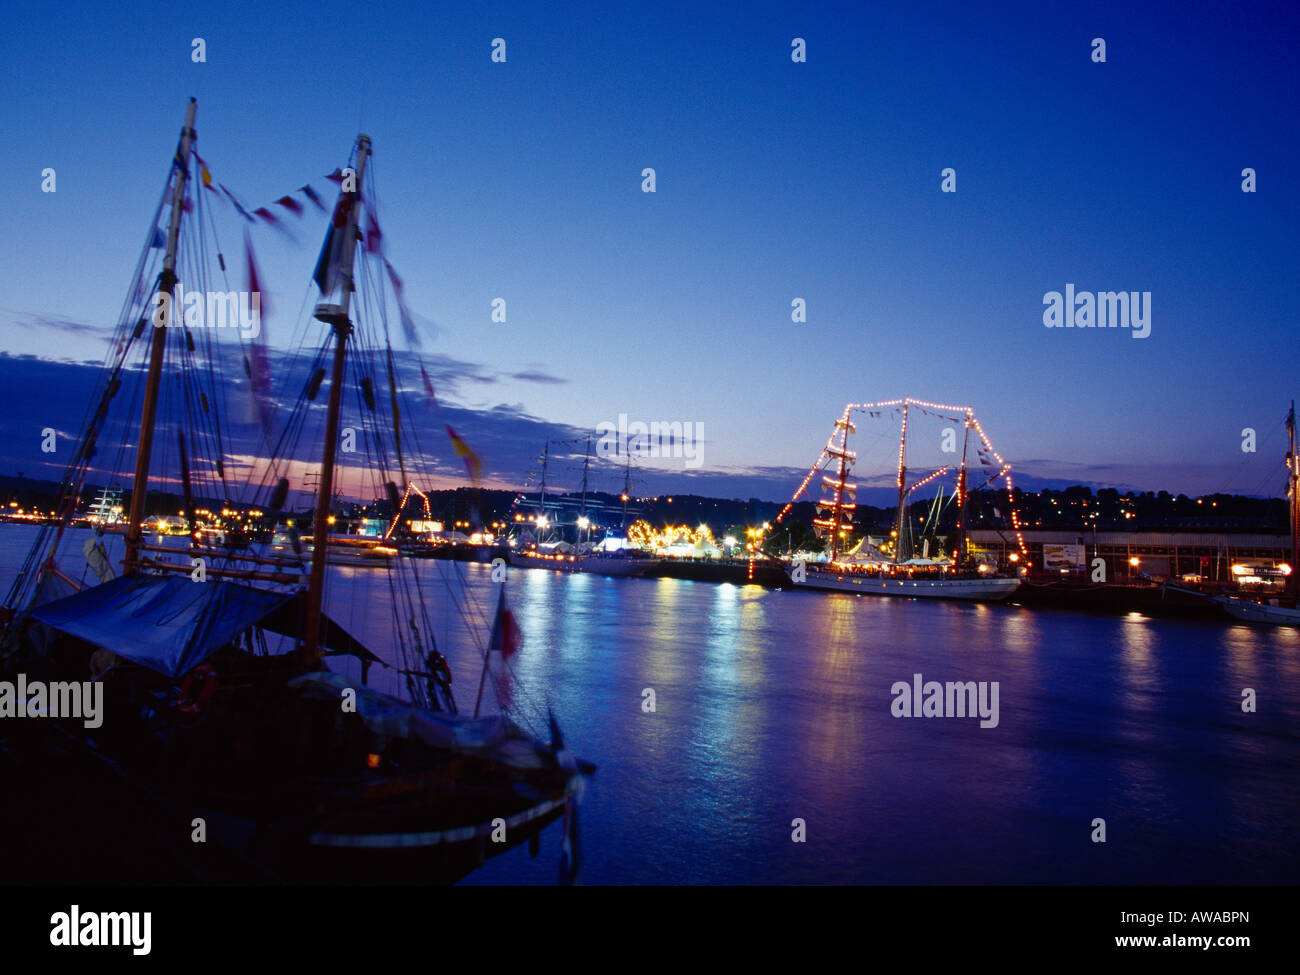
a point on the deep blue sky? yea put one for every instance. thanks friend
(775, 180)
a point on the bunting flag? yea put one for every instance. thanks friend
(472, 463)
(259, 370)
(374, 236)
(263, 214)
(234, 202)
(428, 387)
(254, 279)
(312, 195)
(336, 176)
(159, 238)
(506, 635)
(505, 639)
(408, 320)
(205, 175)
(326, 273)
(392, 276)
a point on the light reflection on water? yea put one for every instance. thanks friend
(776, 705)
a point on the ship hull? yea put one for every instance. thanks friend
(1252, 612)
(589, 564)
(994, 589)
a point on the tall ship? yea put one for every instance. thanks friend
(929, 559)
(233, 690)
(553, 534)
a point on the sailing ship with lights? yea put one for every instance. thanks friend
(217, 699)
(913, 564)
(542, 543)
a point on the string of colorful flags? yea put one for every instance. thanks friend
(325, 276)
(264, 214)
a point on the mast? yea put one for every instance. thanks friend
(902, 481)
(627, 492)
(541, 503)
(335, 316)
(839, 487)
(961, 492)
(158, 345)
(1293, 476)
(586, 466)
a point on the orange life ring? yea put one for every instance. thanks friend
(190, 703)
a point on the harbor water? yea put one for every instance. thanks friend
(727, 722)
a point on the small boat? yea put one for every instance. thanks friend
(1250, 611)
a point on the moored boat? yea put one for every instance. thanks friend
(885, 581)
(212, 660)
(620, 563)
(895, 567)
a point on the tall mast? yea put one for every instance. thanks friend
(586, 466)
(961, 492)
(541, 504)
(335, 316)
(1293, 476)
(902, 482)
(839, 487)
(627, 492)
(157, 344)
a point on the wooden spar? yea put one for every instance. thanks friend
(342, 329)
(246, 574)
(158, 345)
(226, 555)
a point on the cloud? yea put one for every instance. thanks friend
(55, 327)
(534, 376)
(42, 392)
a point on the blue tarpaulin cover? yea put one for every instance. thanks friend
(170, 624)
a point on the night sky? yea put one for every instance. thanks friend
(775, 180)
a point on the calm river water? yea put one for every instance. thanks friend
(775, 706)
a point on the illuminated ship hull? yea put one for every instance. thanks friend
(605, 565)
(990, 588)
(1253, 612)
